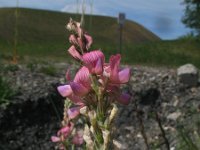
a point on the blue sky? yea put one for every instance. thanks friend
(162, 17)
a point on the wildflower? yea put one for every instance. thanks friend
(94, 61)
(63, 133)
(78, 138)
(115, 74)
(73, 112)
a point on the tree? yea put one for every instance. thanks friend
(192, 15)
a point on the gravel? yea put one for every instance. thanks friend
(30, 119)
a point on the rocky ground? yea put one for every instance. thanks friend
(35, 110)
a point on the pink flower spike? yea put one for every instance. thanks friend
(74, 53)
(64, 90)
(124, 99)
(124, 75)
(79, 89)
(55, 139)
(73, 112)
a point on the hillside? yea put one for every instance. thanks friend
(46, 29)
(42, 34)
(40, 25)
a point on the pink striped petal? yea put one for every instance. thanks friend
(76, 99)
(124, 75)
(124, 99)
(64, 90)
(65, 131)
(73, 112)
(67, 75)
(99, 67)
(81, 44)
(55, 139)
(83, 77)
(90, 59)
(73, 39)
(74, 53)
(89, 40)
(114, 67)
(78, 89)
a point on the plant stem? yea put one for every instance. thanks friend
(162, 130)
(141, 124)
(142, 129)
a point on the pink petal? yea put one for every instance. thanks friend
(99, 67)
(89, 40)
(67, 75)
(55, 139)
(83, 77)
(76, 99)
(64, 90)
(114, 67)
(124, 75)
(90, 59)
(73, 39)
(65, 131)
(78, 89)
(115, 62)
(77, 139)
(81, 44)
(74, 53)
(73, 112)
(124, 99)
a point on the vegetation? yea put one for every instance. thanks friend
(49, 70)
(42, 34)
(5, 93)
(192, 18)
(188, 141)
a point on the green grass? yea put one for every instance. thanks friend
(5, 92)
(42, 35)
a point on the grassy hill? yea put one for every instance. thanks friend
(40, 30)
(42, 34)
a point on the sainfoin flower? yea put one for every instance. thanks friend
(80, 86)
(94, 61)
(92, 93)
(117, 75)
(63, 133)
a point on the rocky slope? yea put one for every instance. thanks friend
(34, 113)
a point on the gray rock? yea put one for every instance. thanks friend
(188, 75)
(174, 116)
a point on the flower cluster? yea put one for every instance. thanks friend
(93, 93)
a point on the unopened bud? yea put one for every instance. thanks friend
(84, 110)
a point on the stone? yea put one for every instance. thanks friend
(188, 75)
(174, 116)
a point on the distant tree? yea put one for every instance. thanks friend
(191, 17)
